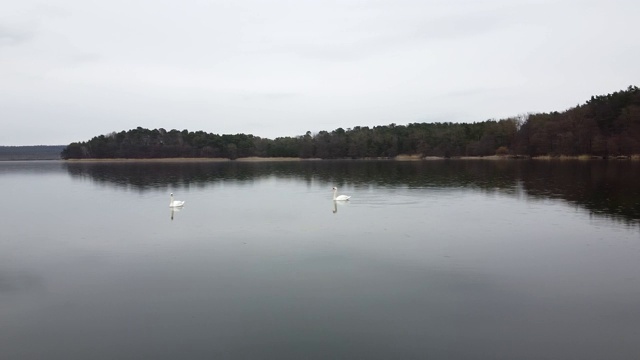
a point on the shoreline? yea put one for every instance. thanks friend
(410, 158)
(202, 160)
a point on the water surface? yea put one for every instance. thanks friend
(444, 259)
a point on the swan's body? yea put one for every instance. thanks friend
(175, 203)
(339, 197)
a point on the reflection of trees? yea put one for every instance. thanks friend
(603, 187)
(144, 176)
(30, 167)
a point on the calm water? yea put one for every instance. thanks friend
(438, 260)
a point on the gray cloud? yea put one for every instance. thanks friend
(14, 36)
(281, 68)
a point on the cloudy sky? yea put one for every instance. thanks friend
(74, 69)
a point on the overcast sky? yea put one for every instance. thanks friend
(74, 69)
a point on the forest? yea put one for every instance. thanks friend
(605, 126)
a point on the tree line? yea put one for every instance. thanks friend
(605, 126)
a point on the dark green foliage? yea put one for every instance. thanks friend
(606, 125)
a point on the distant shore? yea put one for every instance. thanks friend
(397, 158)
(204, 160)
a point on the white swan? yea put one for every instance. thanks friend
(175, 203)
(339, 197)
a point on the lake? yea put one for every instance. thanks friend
(430, 259)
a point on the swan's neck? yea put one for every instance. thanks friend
(171, 200)
(334, 194)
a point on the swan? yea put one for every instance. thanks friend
(339, 197)
(175, 203)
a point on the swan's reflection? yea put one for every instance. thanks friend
(175, 209)
(336, 204)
